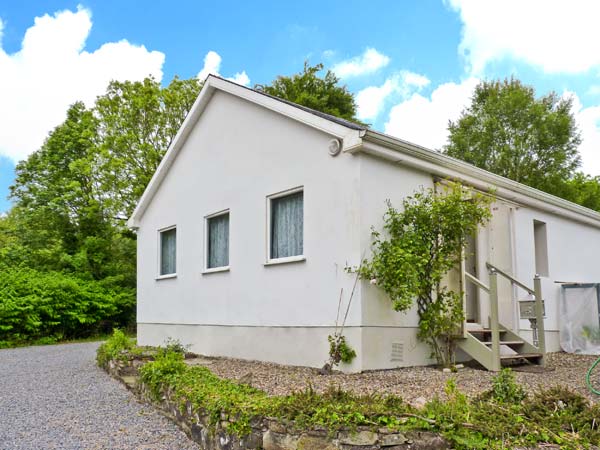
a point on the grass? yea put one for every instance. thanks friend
(54, 341)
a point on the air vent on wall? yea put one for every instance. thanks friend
(397, 352)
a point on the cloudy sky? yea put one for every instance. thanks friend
(411, 65)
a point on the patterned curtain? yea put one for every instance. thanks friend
(218, 241)
(168, 252)
(287, 225)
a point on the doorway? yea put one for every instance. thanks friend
(471, 290)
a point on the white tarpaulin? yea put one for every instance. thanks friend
(579, 319)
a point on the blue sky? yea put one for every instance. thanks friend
(412, 64)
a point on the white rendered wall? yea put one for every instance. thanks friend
(237, 155)
(573, 250)
(379, 181)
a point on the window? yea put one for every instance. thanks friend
(217, 240)
(286, 225)
(168, 251)
(540, 242)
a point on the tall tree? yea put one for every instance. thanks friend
(508, 131)
(53, 189)
(309, 89)
(137, 122)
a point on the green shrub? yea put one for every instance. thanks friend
(164, 370)
(505, 389)
(555, 416)
(55, 305)
(113, 348)
(173, 345)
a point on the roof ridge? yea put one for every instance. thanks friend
(340, 121)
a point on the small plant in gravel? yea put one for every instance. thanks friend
(114, 348)
(175, 346)
(339, 350)
(505, 389)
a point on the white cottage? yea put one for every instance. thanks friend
(259, 205)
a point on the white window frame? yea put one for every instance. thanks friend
(159, 253)
(288, 259)
(226, 268)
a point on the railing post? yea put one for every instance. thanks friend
(494, 326)
(539, 316)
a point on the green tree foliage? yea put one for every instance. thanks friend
(309, 89)
(137, 122)
(72, 197)
(35, 304)
(60, 211)
(420, 245)
(584, 190)
(508, 131)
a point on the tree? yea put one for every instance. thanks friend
(584, 190)
(308, 89)
(420, 246)
(137, 123)
(508, 131)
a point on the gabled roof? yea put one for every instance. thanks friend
(356, 138)
(347, 132)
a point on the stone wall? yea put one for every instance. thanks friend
(269, 433)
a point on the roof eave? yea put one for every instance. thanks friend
(398, 150)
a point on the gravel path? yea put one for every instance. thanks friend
(54, 397)
(409, 383)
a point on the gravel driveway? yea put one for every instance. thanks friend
(54, 397)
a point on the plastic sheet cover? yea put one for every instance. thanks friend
(579, 319)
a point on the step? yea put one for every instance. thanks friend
(521, 356)
(504, 342)
(483, 331)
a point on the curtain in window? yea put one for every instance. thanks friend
(168, 252)
(218, 241)
(287, 225)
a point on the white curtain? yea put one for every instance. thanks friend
(218, 241)
(168, 252)
(287, 225)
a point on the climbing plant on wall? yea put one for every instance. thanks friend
(418, 247)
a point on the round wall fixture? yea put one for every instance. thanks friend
(335, 147)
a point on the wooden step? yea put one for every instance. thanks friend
(484, 331)
(504, 342)
(521, 356)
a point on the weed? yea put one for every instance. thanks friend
(505, 389)
(114, 348)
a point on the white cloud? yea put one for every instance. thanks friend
(240, 78)
(212, 65)
(554, 35)
(370, 101)
(588, 121)
(51, 71)
(423, 120)
(370, 61)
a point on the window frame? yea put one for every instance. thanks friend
(206, 269)
(287, 259)
(160, 232)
